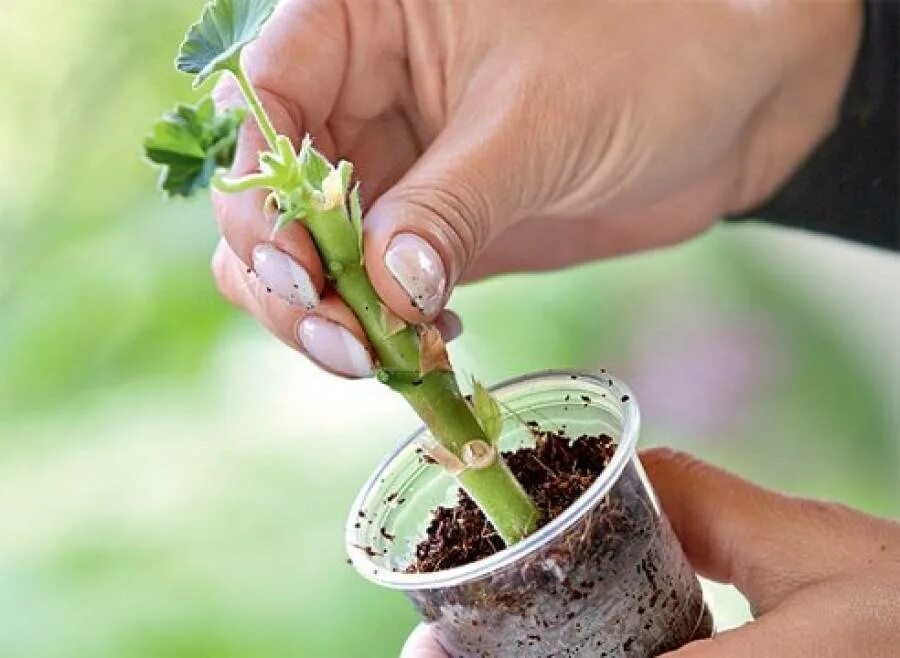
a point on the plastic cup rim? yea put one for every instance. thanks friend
(626, 448)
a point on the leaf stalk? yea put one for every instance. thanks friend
(253, 101)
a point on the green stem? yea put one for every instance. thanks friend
(494, 489)
(250, 95)
(436, 396)
(234, 185)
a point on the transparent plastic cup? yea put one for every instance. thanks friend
(606, 578)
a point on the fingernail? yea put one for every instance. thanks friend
(418, 268)
(333, 347)
(282, 275)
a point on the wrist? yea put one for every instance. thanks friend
(813, 47)
(843, 188)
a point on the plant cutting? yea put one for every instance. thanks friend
(555, 533)
(193, 143)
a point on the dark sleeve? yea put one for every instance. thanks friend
(849, 185)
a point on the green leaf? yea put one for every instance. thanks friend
(356, 218)
(215, 41)
(334, 186)
(190, 143)
(281, 221)
(487, 411)
(315, 165)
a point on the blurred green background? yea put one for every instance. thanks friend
(173, 481)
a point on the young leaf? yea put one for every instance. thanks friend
(190, 143)
(282, 220)
(333, 190)
(316, 166)
(356, 218)
(345, 169)
(487, 411)
(215, 41)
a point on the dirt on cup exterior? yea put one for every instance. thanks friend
(614, 584)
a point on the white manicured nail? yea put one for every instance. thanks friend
(417, 267)
(333, 347)
(281, 274)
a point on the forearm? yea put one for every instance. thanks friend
(850, 185)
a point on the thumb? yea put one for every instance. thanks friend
(422, 233)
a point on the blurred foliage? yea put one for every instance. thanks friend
(87, 300)
(173, 482)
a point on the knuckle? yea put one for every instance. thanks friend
(819, 512)
(829, 516)
(670, 459)
(458, 211)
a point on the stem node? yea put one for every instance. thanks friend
(478, 454)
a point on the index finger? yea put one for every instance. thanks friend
(767, 544)
(297, 56)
